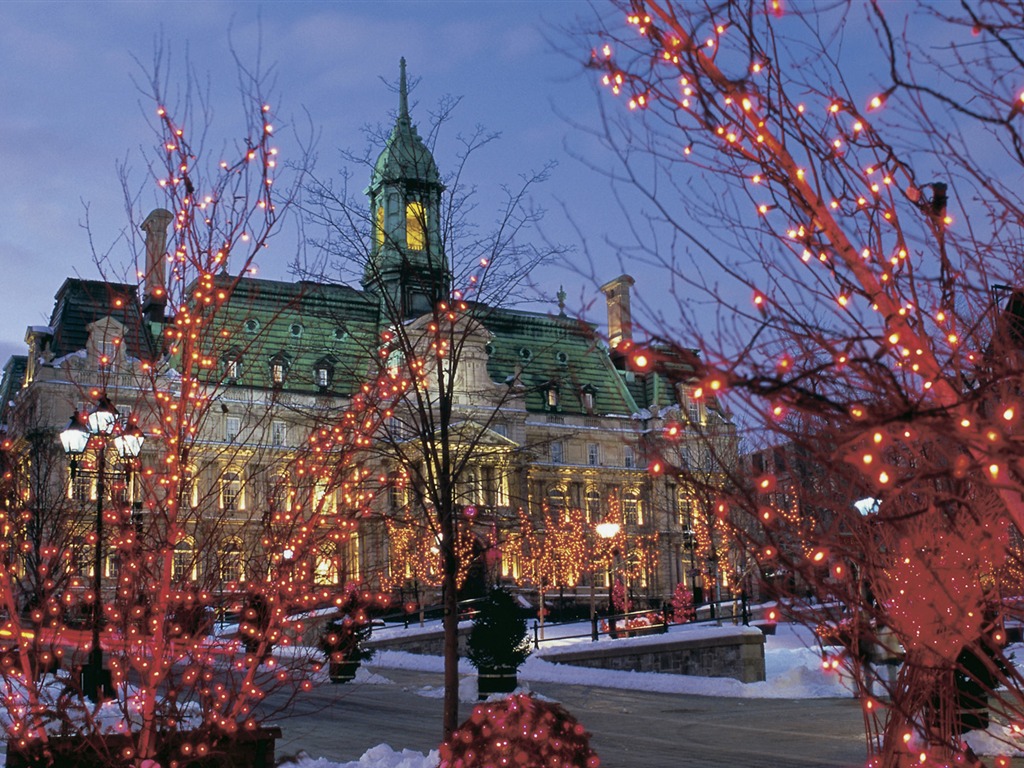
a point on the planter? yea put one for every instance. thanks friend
(342, 671)
(491, 681)
(246, 749)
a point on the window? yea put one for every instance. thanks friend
(684, 513)
(277, 494)
(232, 369)
(106, 353)
(231, 491)
(295, 329)
(490, 487)
(277, 372)
(415, 226)
(500, 429)
(631, 509)
(693, 411)
(232, 426)
(378, 226)
(552, 398)
(278, 433)
(82, 487)
(183, 566)
(323, 499)
(325, 571)
(323, 377)
(593, 454)
(252, 325)
(556, 497)
(189, 490)
(230, 563)
(628, 457)
(557, 453)
(592, 504)
(587, 399)
(396, 496)
(112, 564)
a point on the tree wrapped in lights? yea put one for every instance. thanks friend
(208, 521)
(551, 548)
(881, 348)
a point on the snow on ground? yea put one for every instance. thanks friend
(792, 667)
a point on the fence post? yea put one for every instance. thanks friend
(593, 628)
(536, 639)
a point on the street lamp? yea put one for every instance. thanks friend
(100, 425)
(605, 531)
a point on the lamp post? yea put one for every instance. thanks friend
(100, 426)
(605, 531)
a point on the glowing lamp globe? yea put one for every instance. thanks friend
(75, 436)
(103, 417)
(129, 443)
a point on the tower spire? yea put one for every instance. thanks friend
(403, 93)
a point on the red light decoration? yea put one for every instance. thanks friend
(519, 731)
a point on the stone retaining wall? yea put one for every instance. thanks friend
(737, 654)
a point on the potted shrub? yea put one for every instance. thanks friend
(497, 644)
(344, 635)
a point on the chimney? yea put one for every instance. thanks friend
(155, 296)
(620, 319)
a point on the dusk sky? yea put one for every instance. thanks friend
(70, 111)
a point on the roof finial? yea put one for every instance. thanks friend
(403, 93)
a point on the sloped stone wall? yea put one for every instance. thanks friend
(739, 655)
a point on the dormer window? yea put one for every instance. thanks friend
(587, 398)
(278, 370)
(232, 365)
(323, 373)
(551, 398)
(295, 329)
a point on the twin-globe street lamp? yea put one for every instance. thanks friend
(101, 424)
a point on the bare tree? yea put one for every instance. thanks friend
(877, 234)
(434, 287)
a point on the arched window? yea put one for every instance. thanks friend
(229, 561)
(183, 566)
(415, 226)
(632, 510)
(378, 226)
(557, 497)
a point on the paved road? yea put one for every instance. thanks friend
(631, 729)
